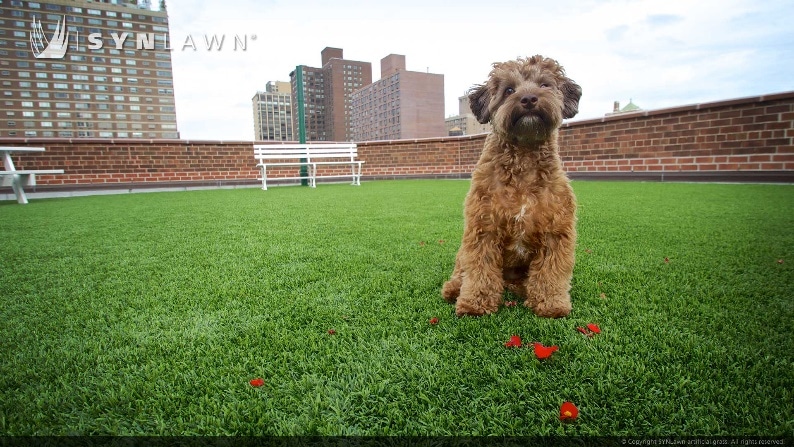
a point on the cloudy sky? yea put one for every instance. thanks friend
(660, 53)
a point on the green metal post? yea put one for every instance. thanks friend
(301, 122)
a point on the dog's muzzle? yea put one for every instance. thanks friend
(528, 117)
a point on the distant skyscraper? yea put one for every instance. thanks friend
(273, 113)
(85, 87)
(402, 104)
(327, 95)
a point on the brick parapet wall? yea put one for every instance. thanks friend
(440, 157)
(747, 135)
(110, 162)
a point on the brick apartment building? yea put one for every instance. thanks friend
(92, 90)
(402, 104)
(327, 93)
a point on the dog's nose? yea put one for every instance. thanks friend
(528, 101)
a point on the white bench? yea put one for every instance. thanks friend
(17, 179)
(313, 156)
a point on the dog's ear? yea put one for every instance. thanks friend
(479, 101)
(571, 93)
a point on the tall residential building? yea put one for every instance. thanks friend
(465, 123)
(402, 104)
(273, 112)
(327, 93)
(313, 102)
(91, 86)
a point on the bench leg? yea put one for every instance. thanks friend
(17, 184)
(357, 175)
(264, 178)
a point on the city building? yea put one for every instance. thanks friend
(327, 95)
(313, 95)
(630, 107)
(402, 104)
(465, 123)
(273, 113)
(89, 86)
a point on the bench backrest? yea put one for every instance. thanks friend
(307, 151)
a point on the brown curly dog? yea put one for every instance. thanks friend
(520, 212)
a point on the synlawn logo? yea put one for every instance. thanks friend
(58, 45)
(49, 49)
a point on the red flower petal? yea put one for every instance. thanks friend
(584, 331)
(257, 382)
(568, 411)
(666, 260)
(510, 303)
(434, 321)
(331, 331)
(441, 241)
(544, 352)
(514, 342)
(594, 327)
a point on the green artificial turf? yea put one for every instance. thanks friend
(148, 314)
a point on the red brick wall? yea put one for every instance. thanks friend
(448, 157)
(737, 136)
(103, 162)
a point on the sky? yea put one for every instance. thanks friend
(657, 53)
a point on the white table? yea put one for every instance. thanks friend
(19, 178)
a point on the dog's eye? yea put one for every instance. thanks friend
(545, 85)
(509, 91)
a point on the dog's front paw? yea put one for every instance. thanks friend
(553, 308)
(451, 290)
(466, 307)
